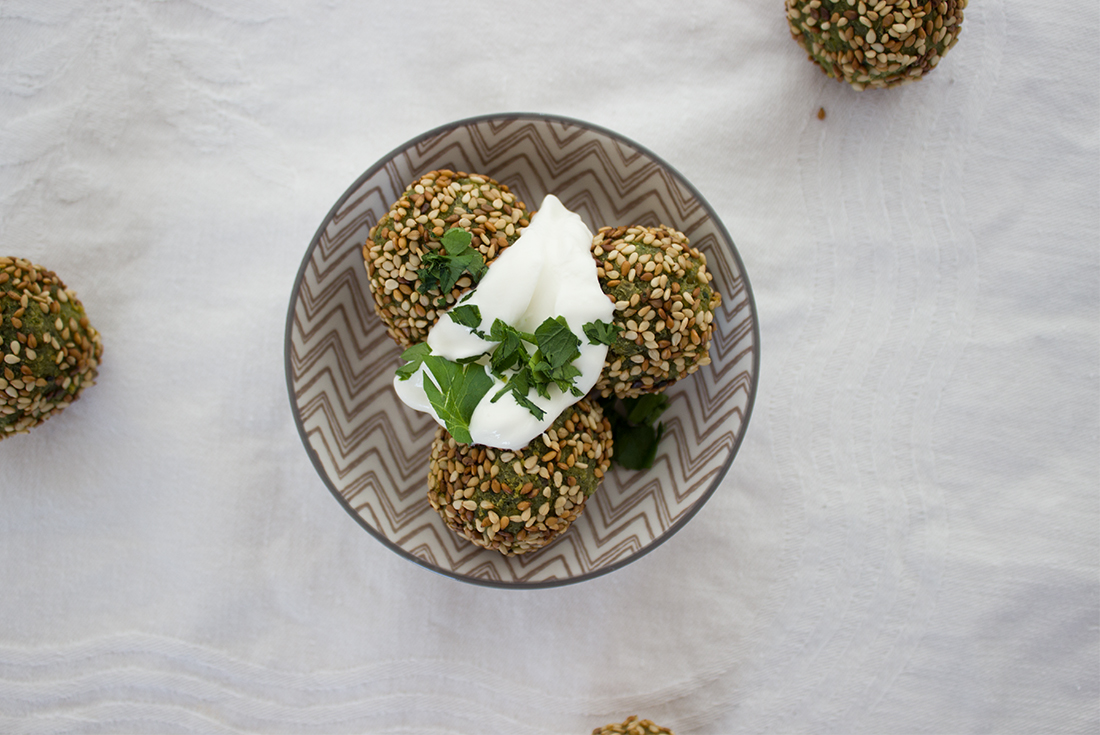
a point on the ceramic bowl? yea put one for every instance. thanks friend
(372, 451)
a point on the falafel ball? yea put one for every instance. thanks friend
(664, 308)
(49, 351)
(407, 296)
(632, 726)
(519, 501)
(869, 44)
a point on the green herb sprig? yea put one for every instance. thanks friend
(601, 333)
(467, 315)
(457, 389)
(551, 363)
(635, 436)
(441, 271)
(413, 359)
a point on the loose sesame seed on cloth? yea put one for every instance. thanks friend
(664, 307)
(869, 44)
(519, 501)
(433, 204)
(49, 351)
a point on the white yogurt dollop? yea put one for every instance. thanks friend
(548, 272)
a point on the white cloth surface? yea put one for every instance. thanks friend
(908, 540)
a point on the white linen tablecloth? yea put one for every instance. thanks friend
(907, 541)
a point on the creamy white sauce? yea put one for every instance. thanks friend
(548, 272)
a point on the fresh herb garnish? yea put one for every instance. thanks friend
(510, 351)
(557, 343)
(601, 333)
(635, 437)
(466, 315)
(441, 271)
(414, 358)
(519, 384)
(552, 362)
(460, 388)
(456, 240)
(645, 409)
(556, 348)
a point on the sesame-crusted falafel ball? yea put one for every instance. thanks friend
(875, 44)
(435, 203)
(632, 726)
(664, 308)
(49, 351)
(519, 501)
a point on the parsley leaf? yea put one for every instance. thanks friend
(473, 263)
(543, 374)
(530, 405)
(413, 357)
(466, 315)
(558, 345)
(460, 388)
(632, 428)
(636, 446)
(519, 384)
(510, 352)
(646, 409)
(553, 362)
(601, 333)
(438, 272)
(441, 271)
(456, 240)
(459, 385)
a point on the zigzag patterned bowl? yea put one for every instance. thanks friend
(372, 451)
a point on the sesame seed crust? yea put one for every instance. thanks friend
(632, 726)
(664, 306)
(519, 501)
(876, 44)
(49, 351)
(413, 227)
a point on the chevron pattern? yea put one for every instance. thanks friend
(372, 451)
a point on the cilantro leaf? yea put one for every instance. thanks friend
(601, 333)
(460, 388)
(466, 315)
(413, 357)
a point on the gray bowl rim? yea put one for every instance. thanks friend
(315, 459)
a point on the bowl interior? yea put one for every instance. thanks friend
(372, 451)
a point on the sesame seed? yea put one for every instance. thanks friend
(872, 58)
